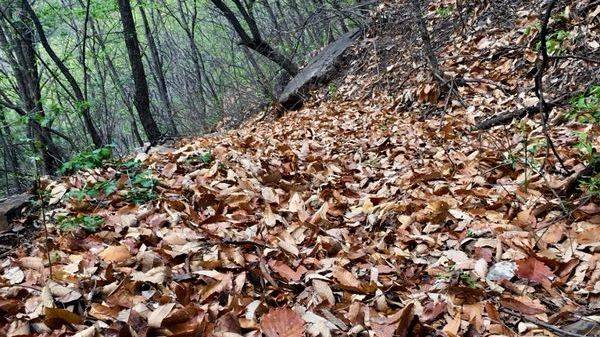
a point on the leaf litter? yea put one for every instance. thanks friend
(352, 216)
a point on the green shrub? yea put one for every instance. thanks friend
(205, 158)
(592, 186)
(87, 160)
(444, 11)
(106, 187)
(142, 188)
(585, 108)
(89, 223)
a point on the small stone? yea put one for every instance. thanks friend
(504, 270)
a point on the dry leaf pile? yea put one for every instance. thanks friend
(375, 216)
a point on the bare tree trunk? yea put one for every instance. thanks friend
(158, 72)
(10, 155)
(255, 41)
(260, 75)
(426, 40)
(83, 104)
(114, 75)
(142, 100)
(19, 48)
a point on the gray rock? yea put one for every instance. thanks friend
(317, 72)
(504, 270)
(10, 208)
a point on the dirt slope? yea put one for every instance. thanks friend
(376, 209)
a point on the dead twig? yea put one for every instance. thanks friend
(577, 57)
(539, 85)
(552, 328)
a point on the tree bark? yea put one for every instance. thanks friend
(426, 40)
(255, 41)
(20, 51)
(159, 72)
(82, 102)
(141, 100)
(10, 155)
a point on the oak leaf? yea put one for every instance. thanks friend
(282, 322)
(533, 270)
(115, 254)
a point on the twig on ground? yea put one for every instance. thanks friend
(578, 57)
(539, 86)
(547, 326)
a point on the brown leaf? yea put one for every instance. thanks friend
(156, 317)
(55, 317)
(433, 310)
(394, 325)
(286, 272)
(324, 291)
(103, 312)
(10, 306)
(453, 326)
(523, 304)
(589, 236)
(169, 170)
(115, 254)
(346, 278)
(533, 270)
(282, 322)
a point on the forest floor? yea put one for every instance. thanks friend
(377, 209)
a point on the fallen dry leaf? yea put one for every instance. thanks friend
(533, 270)
(157, 316)
(115, 254)
(282, 322)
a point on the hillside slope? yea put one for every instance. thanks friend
(377, 209)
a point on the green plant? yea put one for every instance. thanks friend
(206, 158)
(592, 186)
(444, 11)
(468, 279)
(585, 108)
(90, 223)
(332, 89)
(143, 187)
(555, 41)
(585, 145)
(510, 159)
(132, 164)
(87, 160)
(106, 187)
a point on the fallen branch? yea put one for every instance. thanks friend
(577, 57)
(500, 86)
(507, 117)
(552, 328)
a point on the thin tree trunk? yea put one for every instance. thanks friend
(141, 100)
(427, 46)
(114, 75)
(158, 72)
(83, 104)
(260, 75)
(10, 154)
(20, 52)
(255, 41)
